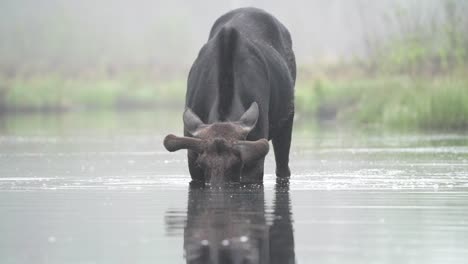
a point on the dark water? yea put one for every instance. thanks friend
(99, 188)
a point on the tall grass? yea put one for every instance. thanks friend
(401, 102)
(55, 92)
(398, 102)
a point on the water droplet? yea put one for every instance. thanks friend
(225, 242)
(244, 239)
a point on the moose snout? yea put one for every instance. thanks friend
(217, 180)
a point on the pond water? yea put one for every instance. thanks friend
(100, 188)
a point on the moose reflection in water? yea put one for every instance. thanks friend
(230, 225)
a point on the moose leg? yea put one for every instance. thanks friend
(195, 171)
(281, 145)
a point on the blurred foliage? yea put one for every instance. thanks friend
(415, 75)
(52, 92)
(423, 43)
(398, 102)
(99, 122)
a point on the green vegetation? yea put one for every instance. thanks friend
(414, 76)
(430, 43)
(397, 102)
(96, 122)
(54, 92)
(389, 101)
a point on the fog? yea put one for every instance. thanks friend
(147, 32)
(89, 89)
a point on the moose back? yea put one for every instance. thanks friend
(240, 94)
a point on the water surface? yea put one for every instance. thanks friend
(100, 188)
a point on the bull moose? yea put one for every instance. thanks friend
(240, 94)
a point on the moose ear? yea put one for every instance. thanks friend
(249, 118)
(192, 122)
(252, 150)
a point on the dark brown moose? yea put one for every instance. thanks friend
(240, 94)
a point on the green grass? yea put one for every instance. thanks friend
(53, 92)
(399, 102)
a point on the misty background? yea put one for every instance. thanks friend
(60, 56)
(63, 34)
(90, 88)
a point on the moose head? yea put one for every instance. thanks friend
(220, 149)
